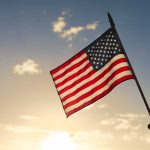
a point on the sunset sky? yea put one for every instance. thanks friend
(38, 35)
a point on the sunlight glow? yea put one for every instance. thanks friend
(58, 141)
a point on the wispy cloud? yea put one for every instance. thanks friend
(85, 135)
(59, 26)
(26, 117)
(29, 66)
(86, 138)
(128, 121)
(131, 136)
(102, 106)
(23, 129)
(71, 32)
(93, 106)
(92, 26)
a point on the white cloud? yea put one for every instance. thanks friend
(128, 121)
(92, 26)
(107, 122)
(72, 32)
(131, 136)
(59, 26)
(29, 66)
(89, 107)
(146, 138)
(101, 106)
(131, 116)
(26, 117)
(124, 124)
(93, 106)
(87, 136)
(24, 129)
(63, 13)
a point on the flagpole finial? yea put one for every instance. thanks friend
(111, 20)
(149, 126)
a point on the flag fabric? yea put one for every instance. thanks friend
(92, 73)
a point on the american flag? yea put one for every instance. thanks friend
(92, 73)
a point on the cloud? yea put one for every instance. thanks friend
(86, 138)
(59, 26)
(72, 32)
(88, 107)
(102, 106)
(131, 136)
(26, 117)
(92, 26)
(126, 124)
(146, 138)
(128, 121)
(93, 106)
(24, 129)
(29, 66)
(63, 13)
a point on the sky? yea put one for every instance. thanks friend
(36, 36)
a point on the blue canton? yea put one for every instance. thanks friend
(103, 49)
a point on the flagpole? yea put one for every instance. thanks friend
(136, 80)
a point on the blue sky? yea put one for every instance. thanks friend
(35, 37)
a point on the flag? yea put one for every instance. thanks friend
(92, 73)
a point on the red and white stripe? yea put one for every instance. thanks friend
(78, 85)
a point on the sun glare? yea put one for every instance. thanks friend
(58, 141)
